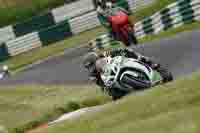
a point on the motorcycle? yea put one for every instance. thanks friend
(123, 75)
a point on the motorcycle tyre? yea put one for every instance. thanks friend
(116, 94)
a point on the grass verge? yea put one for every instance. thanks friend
(25, 107)
(172, 107)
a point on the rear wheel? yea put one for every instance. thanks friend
(116, 94)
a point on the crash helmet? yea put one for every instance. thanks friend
(5, 68)
(89, 61)
(109, 5)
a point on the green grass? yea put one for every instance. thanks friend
(3, 130)
(170, 108)
(23, 107)
(19, 10)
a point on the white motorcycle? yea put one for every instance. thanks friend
(123, 75)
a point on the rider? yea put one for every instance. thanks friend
(94, 63)
(108, 16)
(5, 72)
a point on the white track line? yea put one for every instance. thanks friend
(77, 114)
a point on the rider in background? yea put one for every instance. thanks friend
(4, 72)
(105, 11)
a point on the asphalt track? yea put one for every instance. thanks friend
(180, 54)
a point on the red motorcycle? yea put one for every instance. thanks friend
(122, 29)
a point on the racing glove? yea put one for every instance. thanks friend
(129, 53)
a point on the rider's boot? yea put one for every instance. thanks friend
(149, 62)
(131, 36)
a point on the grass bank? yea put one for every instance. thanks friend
(24, 107)
(173, 108)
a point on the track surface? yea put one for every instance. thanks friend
(180, 54)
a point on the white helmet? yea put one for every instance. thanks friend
(5, 68)
(109, 5)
